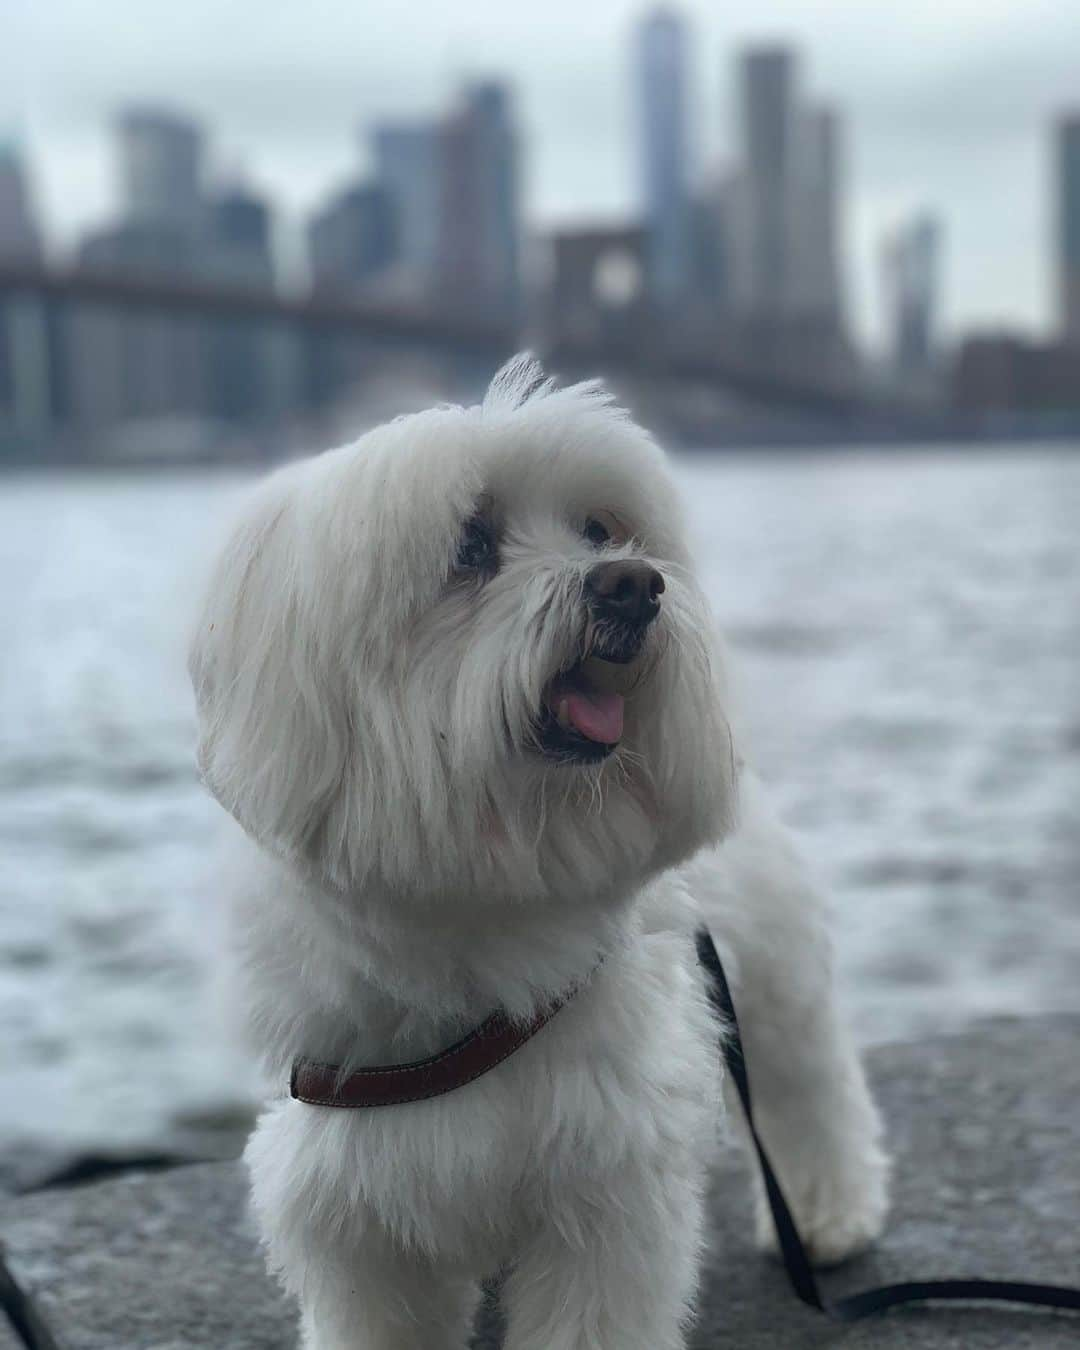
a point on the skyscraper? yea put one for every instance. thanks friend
(768, 187)
(19, 238)
(353, 238)
(814, 227)
(407, 157)
(711, 244)
(25, 363)
(238, 228)
(240, 373)
(160, 166)
(660, 70)
(1068, 225)
(478, 246)
(144, 364)
(135, 364)
(911, 264)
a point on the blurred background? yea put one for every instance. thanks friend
(829, 251)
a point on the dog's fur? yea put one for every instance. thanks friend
(368, 715)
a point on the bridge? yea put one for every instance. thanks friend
(77, 346)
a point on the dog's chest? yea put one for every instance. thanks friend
(624, 1077)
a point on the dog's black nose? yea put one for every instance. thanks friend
(628, 590)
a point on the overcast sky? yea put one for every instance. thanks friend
(948, 105)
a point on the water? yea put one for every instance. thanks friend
(907, 632)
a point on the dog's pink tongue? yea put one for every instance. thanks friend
(599, 717)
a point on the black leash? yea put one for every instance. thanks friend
(796, 1262)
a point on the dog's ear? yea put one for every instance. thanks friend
(273, 729)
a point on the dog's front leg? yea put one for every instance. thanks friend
(811, 1100)
(388, 1305)
(612, 1265)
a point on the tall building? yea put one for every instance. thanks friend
(707, 247)
(160, 169)
(131, 364)
(661, 80)
(1068, 225)
(710, 255)
(815, 295)
(352, 239)
(146, 365)
(238, 230)
(19, 237)
(770, 145)
(26, 386)
(407, 158)
(478, 263)
(239, 351)
(911, 263)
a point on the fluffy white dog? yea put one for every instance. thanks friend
(459, 686)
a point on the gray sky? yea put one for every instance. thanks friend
(948, 105)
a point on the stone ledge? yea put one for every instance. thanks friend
(985, 1128)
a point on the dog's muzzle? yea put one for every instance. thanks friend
(582, 717)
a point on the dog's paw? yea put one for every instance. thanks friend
(837, 1217)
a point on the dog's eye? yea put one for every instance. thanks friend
(596, 533)
(478, 549)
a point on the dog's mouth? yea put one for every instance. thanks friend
(581, 719)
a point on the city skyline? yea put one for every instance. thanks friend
(750, 260)
(940, 107)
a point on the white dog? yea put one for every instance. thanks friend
(460, 688)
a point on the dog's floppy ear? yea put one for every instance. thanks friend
(273, 730)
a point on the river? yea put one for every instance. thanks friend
(906, 632)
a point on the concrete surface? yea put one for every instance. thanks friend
(985, 1128)
(16, 1312)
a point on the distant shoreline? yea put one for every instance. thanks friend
(767, 439)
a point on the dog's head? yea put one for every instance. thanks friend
(467, 655)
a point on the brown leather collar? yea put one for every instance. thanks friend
(495, 1039)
